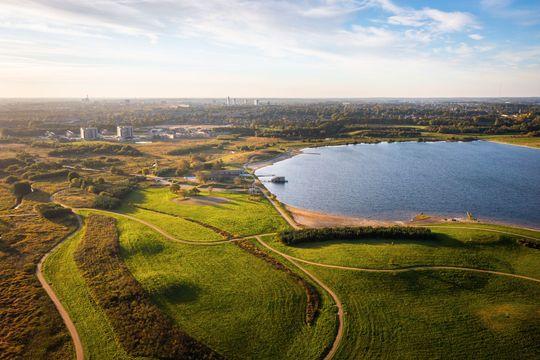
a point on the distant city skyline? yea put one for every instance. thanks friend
(269, 49)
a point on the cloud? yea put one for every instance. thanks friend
(476, 37)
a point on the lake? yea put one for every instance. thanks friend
(395, 181)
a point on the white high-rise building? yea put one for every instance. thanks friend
(124, 132)
(89, 133)
(256, 102)
(228, 101)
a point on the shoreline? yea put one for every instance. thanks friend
(314, 219)
(254, 166)
(507, 143)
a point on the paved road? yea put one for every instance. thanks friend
(79, 353)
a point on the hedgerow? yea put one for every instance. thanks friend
(141, 327)
(95, 149)
(291, 237)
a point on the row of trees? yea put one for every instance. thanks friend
(291, 237)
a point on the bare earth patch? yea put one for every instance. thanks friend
(315, 219)
(202, 200)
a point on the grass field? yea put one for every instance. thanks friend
(236, 213)
(95, 331)
(436, 315)
(455, 245)
(224, 297)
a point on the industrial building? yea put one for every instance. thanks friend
(89, 133)
(124, 132)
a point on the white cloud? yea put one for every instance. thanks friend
(476, 37)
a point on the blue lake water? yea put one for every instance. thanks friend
(395, 181)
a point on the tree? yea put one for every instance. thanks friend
(174, 188)
(21, 188)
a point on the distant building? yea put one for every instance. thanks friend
(256, 102)
(89, 133)
(228, 101)
(70, 134)
(124, 132)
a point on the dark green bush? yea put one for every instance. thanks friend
(291, 237)
(52, 211)
(103, 201)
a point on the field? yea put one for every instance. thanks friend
(455, 245)
(234, 213)
(226, 298)
(96, 332)
(433, 313)
(436, 314)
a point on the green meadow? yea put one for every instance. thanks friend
(436, 315)
(454, 245)
(228, 299)
(232, 212)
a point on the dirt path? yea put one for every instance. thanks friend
(337, 301)
(79, 353)
(282, 212)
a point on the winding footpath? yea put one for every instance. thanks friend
(79, 353)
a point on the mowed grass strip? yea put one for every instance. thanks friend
(452, 245)
(234, 212)
(436, 315)
(94, 328)
(142, 329)
(229, 299)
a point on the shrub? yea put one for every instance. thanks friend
(95, 149)
(291, 237)
(141, 327)
(52, 211)
(103, 201)
(21, 188)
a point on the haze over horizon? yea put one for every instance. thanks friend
(269, 49)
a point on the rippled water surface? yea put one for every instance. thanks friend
(398, 180)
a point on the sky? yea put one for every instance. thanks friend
(257, 49)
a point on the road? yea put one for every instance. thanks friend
(79, 353)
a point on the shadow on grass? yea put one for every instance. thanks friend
(178, 293)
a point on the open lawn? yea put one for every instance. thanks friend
(221, 295)
(238, 214)
(96, 333)
(436, 314)
(226, 298)
(455, 245)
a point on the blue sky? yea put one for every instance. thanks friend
(240, 48)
